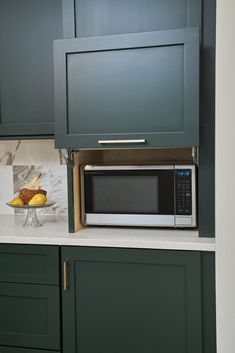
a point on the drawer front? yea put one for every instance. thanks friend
(23, 350)
(29, 316)
(29, 264)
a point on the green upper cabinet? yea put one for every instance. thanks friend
(131, 300)
(138, 89)
(91, 18)
(27, 31)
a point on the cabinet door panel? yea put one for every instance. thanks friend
(29, 316)
(130, 87)
(33, 264)
(84, 18)
(27, 31)
(125, 301)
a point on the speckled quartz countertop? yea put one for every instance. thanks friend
(55, 232)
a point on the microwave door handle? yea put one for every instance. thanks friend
(119, 142)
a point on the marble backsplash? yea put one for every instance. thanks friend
(20, 161)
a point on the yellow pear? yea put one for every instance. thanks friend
(17, 201)
(37, 200)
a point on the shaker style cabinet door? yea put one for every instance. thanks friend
(27, 31)
(29, 316)
(29, 298)
(126, 300)
(131, 90)
(91, 18)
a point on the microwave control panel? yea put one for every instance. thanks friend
(183, 191)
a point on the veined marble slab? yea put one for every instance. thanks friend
(6, 189)
(30, 152)
(54, 232)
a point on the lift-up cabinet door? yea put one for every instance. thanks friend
(128, 90)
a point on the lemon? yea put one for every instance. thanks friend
(37, 200)
(17, 201)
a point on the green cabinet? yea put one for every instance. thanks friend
(131, 300)
(131, 78)
(29, 298)
(27, 31)
(131, 90)
(111, 300)
(29, 316)
(89, 18)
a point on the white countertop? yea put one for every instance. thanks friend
(55, 232)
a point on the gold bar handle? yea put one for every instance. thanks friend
(119, 142)
(66, 282)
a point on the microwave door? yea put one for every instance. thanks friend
(129, 197)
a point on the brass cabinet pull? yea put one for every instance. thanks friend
(66, 282)
(111, 142)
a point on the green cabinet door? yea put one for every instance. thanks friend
(122, 301)
(89, 18)
(27, 31)
(131, 90)
(29, 316)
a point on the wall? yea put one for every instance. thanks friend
(225, 176)
(20, 161)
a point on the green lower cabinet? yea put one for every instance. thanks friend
(129, 300)
(29, 317)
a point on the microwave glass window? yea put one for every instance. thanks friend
(125, 194)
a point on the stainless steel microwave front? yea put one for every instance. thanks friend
(174, 217)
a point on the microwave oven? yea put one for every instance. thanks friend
(139, 195)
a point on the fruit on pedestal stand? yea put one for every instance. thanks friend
(31, 195)
(31, 190)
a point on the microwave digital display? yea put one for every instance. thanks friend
(183, 173)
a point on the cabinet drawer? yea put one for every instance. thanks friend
(29, 264)
(23, 350)
(29, 316)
